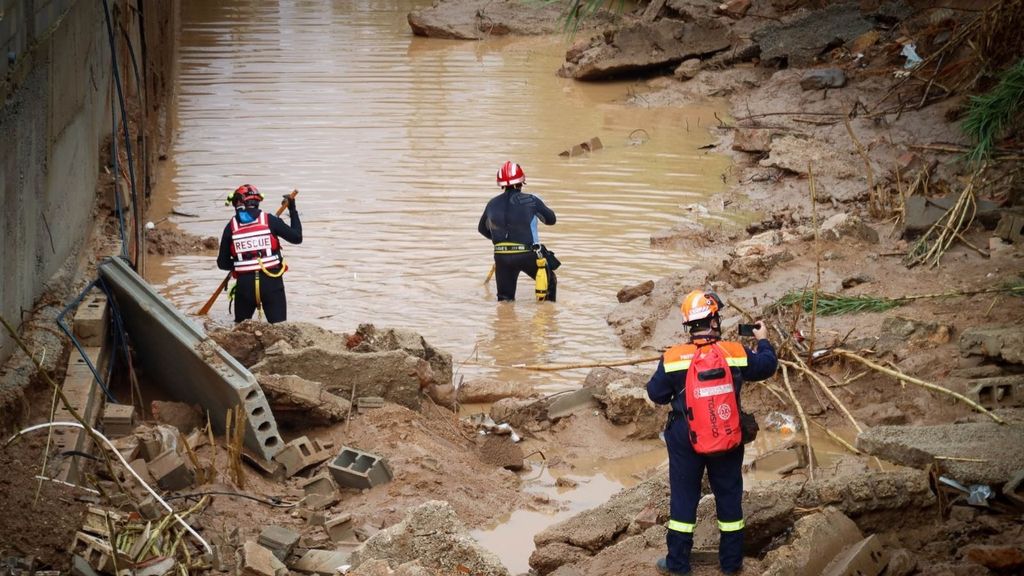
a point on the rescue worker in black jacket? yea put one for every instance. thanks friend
(510, 222)
(250, 248)
(687, 463)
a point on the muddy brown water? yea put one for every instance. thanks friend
(393, 142)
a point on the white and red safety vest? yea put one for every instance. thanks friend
(254, 246)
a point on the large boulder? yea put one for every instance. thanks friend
(434, 535)
(478, 19)
(800, 41)
(645, 47)
(999, 343)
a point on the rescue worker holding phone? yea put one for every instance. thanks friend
(250, 248)
(701, 381)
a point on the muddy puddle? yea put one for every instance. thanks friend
(393, 142)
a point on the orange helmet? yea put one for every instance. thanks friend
(698, 305)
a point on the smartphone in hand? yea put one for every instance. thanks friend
(747, 329)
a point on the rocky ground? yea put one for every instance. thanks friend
(818, 95)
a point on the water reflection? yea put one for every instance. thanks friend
(393, 142)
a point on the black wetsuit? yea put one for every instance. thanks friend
(272, 296)
(510, 222)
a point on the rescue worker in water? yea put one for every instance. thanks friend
(250, 248)
(510, 221)
(697, 439)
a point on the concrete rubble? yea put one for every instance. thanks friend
(300, 401)
(971, 453)
(432, 534)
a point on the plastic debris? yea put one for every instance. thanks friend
(779, 422)
(910, 53)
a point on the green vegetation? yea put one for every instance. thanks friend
(833, 304)
(995, 113)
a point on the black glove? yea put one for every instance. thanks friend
(748, 427)
(291, 202)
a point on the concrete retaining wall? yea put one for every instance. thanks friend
(55, 118)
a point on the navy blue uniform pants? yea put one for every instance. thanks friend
(506, 273)
(272, 297)
(686, 470)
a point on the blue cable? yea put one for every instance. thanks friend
(78, 346)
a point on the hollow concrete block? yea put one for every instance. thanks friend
(358, 469)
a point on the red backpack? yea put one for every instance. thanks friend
(711, 408)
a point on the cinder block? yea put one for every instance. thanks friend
(865, 558)
(293, 455)
(321, 484)
(359, 469)
(91, 318)
(998, 392)
(364, 403)
(300, 454)
(118, 419)
(170, 471)
(95, 551)
(281, 541)
(150, 509)
(340, 528)
(141, 468)
(321, 501)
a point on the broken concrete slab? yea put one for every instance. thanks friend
(297, 400)
(322, 562)
(393, 375)
(367, 403)
(845, 226)
(996, 451)
(752, 139)
(800, 41)
(865, 558)
(628, 293)
(184, 362)
(434, 535)
(321, 484)
(340, 528)
(644, 47)
(815, 541)
(564, 404)
(1011, 226)
(373, 339)
(1004, 343)
(478, 19)
(258, 561)
(921, 213)
(279, 540)
(357, 469)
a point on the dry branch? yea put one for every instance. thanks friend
(803, 420)
(910, 379)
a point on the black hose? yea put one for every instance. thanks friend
(127, 136)
(275, 502)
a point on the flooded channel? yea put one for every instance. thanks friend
(393, 142)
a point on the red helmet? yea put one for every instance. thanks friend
(247, 193)
(510, 174)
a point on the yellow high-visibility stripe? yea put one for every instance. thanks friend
(677, 366)
(511, 248)
(730, 526)
(684, 527)
(733, 361)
